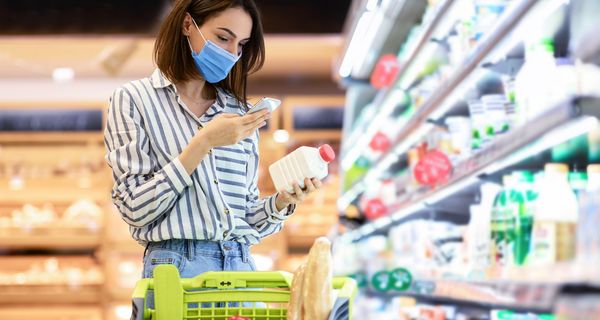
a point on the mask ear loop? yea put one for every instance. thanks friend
(188, 37)
(194, 21)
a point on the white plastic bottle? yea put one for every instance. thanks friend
(555, 218)
(304, 162)
(534, 84)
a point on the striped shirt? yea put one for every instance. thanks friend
(148, 126)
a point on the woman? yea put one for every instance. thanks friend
(183, 151)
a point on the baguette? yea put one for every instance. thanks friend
(318, 288)
(295, 307)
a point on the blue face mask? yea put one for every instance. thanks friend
(213, 62)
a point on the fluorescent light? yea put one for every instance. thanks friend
(63, 74)
(372, 5)
(357, 41)
(281, 136)
(368, 40)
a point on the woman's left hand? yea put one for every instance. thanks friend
(285, 199)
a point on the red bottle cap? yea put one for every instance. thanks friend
(327, 153)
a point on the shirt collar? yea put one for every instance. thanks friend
(158, 80)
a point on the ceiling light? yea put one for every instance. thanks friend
(281, 136)
(63, 74)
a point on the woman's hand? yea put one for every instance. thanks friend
(227, 129)
(285, 199)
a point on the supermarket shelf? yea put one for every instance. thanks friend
(567, 120)
(416, 126)
(363, 138)
(52, 239)
(528, 297)
(54, 294)
(519, 288)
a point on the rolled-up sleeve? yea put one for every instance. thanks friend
(262, 214)
(141, 193)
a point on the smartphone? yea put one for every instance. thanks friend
(265, 103)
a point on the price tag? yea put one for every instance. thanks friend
(401, 279)
(433, 169)
(381, 281)
(385, 71)
(380, 142)
(375, 209)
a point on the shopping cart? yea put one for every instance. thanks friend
(224, 295)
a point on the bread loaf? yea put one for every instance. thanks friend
(295, 311)
(317, 288)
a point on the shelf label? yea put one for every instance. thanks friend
(381, 281)
(385, 71)
(433, 169)
(401, 279)
(375, 208)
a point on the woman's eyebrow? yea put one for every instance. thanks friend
(230, 32)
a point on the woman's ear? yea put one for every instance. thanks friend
(187, 25)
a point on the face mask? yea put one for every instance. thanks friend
(213, 62)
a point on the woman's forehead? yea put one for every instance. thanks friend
(235, 19)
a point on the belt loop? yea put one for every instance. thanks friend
(245, 252)
(146, 249)
(188, 248)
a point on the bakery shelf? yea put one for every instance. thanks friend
(50, 238)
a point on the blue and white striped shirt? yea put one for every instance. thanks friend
(148, 126)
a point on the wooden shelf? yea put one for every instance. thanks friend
(50, 312)
(54, 239)
(55, 294)
(42, 195)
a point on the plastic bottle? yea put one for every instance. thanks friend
(578, 182)
(526, 196)
(533, 83)
(503, 232)
(588, 240)
(555, 218)
(304, 162)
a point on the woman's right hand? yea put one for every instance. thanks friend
(227, 129)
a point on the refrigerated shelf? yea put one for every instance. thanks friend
(364, 134)
(569, 119)
(418, 124)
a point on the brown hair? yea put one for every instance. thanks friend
(173, 56)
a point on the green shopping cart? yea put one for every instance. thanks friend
(225, 295)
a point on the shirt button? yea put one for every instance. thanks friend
(224, 234)
(226, 211)
(210, 151)
(216, 181)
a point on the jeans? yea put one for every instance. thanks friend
(194, 257)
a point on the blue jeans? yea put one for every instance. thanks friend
(194, 257)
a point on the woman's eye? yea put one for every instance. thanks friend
(222, 38)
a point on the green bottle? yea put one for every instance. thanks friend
(525, 197)
(503, 230)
